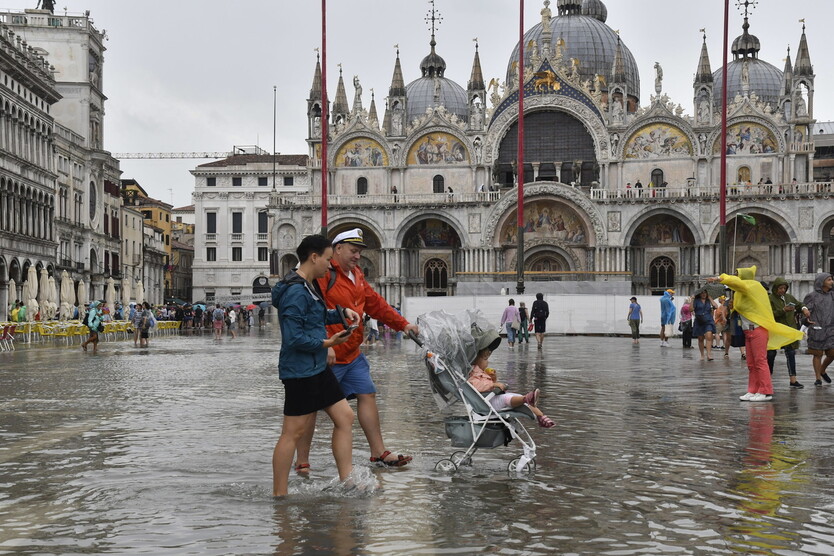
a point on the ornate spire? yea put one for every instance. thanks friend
(704, 73)
(476, 80)
(803, 56)
(397, 88)
(787, 87)
(746, 45)
(340, 106)
(569, 7)
(373, 120)
(433, 65)
(315, 90)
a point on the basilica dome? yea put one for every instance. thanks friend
(587, 38)
(764, 79)
(433, 89)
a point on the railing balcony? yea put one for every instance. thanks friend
(393, 200)
(79, 267)
(66, 263)
(802, 147)
(769, 190)
(211, 238)
(237, 238)
(263, 238)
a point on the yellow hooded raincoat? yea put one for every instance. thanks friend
(752, 302)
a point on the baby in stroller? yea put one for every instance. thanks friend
(484, 379)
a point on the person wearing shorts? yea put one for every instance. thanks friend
(309, 384)
(540, 311)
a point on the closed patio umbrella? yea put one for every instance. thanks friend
(139, 292)
(52, 298)
(82, 299)
(67, 296)
(12, 291)
(126, 294)
(110, 293)
(30, 293)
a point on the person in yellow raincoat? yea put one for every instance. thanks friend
(761, 331)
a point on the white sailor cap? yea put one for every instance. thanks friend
(354, 237)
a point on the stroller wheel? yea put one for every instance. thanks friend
(458, 459)
(526, 469)
(446, 466)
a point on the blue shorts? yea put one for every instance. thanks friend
(355, 377)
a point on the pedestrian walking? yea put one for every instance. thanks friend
(685, 325)
(345, 285)
(218, 318)
(540, 311)
(634, 317)
(719, 315)
(704, 327)
(785, 308)
(736, 332)
(819, 316)
(94, 324)
(232, 320)
(667, 317)
(309, 383)
(761, 331)
(524, 321)
(511, 322)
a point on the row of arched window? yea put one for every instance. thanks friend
(438, 185)
(25, 210)
(25, 136)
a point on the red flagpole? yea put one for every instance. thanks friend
(325, 112)
(722, 228)
(520, 155)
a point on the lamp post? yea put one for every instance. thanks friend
(520, 167)
(722, 228)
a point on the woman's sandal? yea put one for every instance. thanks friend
(545, 422)
(399, 462)
(302, 468)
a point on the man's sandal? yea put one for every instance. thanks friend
(399, 462)
(302, 468)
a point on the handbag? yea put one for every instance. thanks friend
(515, 325)
(530, 327)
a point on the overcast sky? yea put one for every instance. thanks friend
(189, 75)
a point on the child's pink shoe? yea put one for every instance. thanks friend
(545, 422)
(532, 397)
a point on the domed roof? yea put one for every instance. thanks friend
(587, 39)
(420, 95)
(765, 80)
(595, 9)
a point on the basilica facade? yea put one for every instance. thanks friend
(617, 189)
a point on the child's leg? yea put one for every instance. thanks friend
(294, 427)
(342, 416)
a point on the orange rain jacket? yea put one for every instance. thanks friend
(362, 298)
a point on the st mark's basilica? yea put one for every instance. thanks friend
(617, 189)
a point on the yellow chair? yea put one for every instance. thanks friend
(44, 330)
(61, 331)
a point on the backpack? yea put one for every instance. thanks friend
(218, 314)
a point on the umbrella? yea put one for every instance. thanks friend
(139, 292)
(82, 299)
(265, 304)
(126, 291)
(30, 293)
(251, 306)
(52, 298)
(12, 291)
(200, 305)
(43, 294)
(67, 296)
(110, 293)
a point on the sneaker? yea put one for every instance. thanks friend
(796, 385)
(760, 398)
(532, 397)
(817, 383)
(826, 378)
(746, 397)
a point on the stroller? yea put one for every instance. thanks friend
(471, 421)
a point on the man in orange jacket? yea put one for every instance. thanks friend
(345, 285)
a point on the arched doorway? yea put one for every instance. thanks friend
(261, 285)
(661, 274)
(436, 273)
(657, 177)
(438, 184)
(362, 186)
(288, 262)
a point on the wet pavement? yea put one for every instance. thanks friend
(167, 451)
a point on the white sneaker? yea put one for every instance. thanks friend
(746, 397)
(760, 398)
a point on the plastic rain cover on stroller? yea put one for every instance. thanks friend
(472, 422)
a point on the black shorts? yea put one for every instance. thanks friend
(539, 326)
(310, 394)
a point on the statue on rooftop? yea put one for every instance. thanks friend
(48, 5)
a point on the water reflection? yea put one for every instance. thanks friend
(167, 451)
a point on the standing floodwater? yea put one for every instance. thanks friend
(167, 451)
